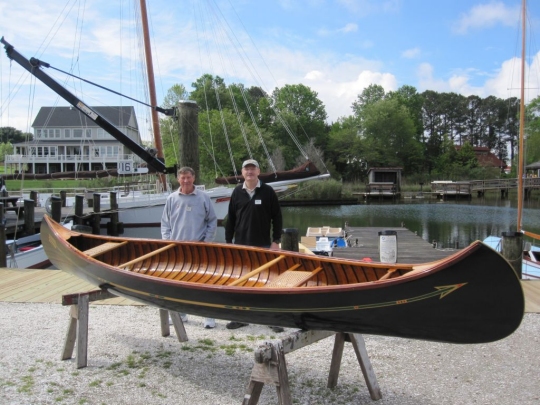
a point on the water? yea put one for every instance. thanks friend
(447, 223)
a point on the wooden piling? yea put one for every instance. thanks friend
(188, 126)
(289, 239)
(56, 208)
(112, 226)
(63, 197)
(79, 209)
(3, 250)
(512, 250)
(29, 217)
(96, 218)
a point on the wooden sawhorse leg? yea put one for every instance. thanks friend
(177, 323)
(78, 324)
(359, 346)
(270, 366)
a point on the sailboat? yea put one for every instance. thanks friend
(135, 212)
(531, 256)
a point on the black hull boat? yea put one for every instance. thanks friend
(473, 296)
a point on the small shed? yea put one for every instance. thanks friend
(384, 182)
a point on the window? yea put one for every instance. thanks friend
(38, 133)
(67, 133)
(88, 133)
(57, 134)
(77, 133)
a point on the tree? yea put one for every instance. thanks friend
(532, 131)
(296, 114)
(12, 135)
(345, 149)
(370, 95)
(389, 136)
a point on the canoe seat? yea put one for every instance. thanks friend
(291, 278)
(105, 247)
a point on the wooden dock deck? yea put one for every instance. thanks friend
(411, 248)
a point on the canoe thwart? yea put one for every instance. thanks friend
(257, 270)
(103, 248)
(148, 255)
(290, 278)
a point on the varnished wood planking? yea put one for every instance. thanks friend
(25, 285)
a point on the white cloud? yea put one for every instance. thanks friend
(507, 82)
(338, 95)
(486, 16)
(411, 53)
(349, 28)
(366, 7)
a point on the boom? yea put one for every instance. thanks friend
(33, 66)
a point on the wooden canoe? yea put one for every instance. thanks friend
(473, 296)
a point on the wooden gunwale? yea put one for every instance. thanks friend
(344, 271)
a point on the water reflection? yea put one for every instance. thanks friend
(445, 222)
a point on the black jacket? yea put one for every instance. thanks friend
(251, 219)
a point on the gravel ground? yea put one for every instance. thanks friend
(129, 362)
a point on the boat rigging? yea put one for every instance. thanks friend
(34, 67)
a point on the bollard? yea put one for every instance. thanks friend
(56, 208)
(512, 250)
(289, 239)
(96, 218)
(34, 195)
(388, 246)
(63, 197)
(29, 217)
(79, 209)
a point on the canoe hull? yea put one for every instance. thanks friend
(474, 297)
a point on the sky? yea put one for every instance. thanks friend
(335, 47)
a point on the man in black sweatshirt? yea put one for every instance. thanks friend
(254, 217)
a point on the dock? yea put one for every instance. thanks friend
(411, 248)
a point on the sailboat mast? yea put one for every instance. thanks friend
(521, 118)
(151, 85)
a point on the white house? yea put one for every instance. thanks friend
(67, 140)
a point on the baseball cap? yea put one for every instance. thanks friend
(250, 162)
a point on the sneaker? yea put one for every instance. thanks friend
(235, 325)
(277, 329)
(209, 323)
(183, 317)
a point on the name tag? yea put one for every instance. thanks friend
(258, 202)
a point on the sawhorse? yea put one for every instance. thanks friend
(78, 324)
(270, 366)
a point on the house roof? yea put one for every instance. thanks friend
(485, 157)
(60, 117)
(533, 166)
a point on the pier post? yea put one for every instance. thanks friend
(512, 250)
(56, 208)
(63, 197)
(289, 239)
(3, 251)
(34, 196)
(29, 217)
(79, 209)
(96, 218)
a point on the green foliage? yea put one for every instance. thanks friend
(12, 135)
(318, 190)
